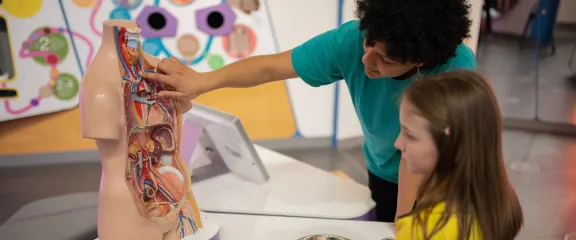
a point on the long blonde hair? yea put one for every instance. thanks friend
(470, 175)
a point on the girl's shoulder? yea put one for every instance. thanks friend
(405, 228)
(464, 59)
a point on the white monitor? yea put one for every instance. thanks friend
(208, 132)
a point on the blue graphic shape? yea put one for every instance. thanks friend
(120, 13)
(127, 4)
(153, 46)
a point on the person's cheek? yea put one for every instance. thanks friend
(429, 164)
(412, 163)
(382, 69)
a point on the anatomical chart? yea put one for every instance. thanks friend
(155, 173)
(39, 70)
(204, 34)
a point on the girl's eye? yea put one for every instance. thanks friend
(387, 62)
(408, 136)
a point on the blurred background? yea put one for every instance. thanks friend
(527, 48)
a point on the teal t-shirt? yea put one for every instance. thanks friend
(336, 55)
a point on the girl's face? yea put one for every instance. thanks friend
(378, 65)
(415, 141)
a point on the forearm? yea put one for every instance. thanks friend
(252, 71)
(408, 184)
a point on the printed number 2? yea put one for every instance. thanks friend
(44, 42)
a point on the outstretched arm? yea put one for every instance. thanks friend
(248, 72)
(252, 71)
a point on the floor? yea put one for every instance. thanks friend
(532, 83)
(548, 196)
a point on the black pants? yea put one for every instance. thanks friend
(385, 194)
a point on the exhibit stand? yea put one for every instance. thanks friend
(294, 189)
(231, 175)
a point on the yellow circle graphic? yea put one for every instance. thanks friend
(83, 3)
(22, 8)
(54, 73)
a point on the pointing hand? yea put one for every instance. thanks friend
(186, 83)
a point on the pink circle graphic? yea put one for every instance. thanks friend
(240, 42)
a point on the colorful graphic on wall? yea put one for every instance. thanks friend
(206, 35)
(39, 72)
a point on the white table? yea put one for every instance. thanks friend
(254, 227)
(294, 189)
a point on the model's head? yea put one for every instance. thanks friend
(451, 133)
(403, 34)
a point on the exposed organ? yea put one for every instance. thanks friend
(154, 171)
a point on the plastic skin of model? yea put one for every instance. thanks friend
(145, 188)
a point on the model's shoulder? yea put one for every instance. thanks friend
(349, 42)
(463, 59)
(350, 26)
(349, 33)
(465, 53)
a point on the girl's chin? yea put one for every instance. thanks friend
(371, 74)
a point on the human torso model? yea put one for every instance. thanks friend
(145, 188)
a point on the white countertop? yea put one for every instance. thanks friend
(254, 227)
(209, 230)
(294, 189)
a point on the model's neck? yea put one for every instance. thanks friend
(108, 37)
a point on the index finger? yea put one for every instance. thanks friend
(159, 78)
(167, 66)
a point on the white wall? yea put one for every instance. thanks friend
(567, 11)
(294, 24)
(348, 123)
(476, 16)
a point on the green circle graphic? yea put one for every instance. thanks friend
(65, 87)
(215, 61)
(53, 42)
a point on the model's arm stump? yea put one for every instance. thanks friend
(100, 112)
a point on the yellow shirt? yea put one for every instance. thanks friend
(405, 231)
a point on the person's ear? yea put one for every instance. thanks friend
(447, 131)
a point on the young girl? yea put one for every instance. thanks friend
(451, 133)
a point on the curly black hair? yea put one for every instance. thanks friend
(417, 31)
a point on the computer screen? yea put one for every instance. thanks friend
(209, 134)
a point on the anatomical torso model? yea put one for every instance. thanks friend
(145, 187)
